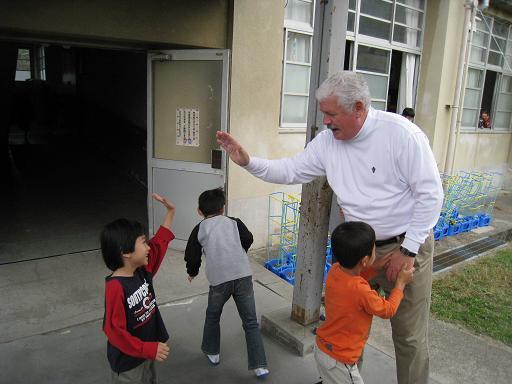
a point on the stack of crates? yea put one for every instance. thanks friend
(283, 230)
(468, 203)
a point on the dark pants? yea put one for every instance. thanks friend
(243, 294)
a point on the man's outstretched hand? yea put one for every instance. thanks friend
(233, 148)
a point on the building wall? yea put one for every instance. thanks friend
(438, 74)
(199, 23)
(477, 150)
(255, 107)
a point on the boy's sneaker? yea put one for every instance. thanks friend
(214, 359)
(261, 372)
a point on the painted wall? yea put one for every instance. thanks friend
(476, 150)
(200, 23)
(438, 71)
(255, 107)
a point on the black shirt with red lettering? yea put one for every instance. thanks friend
(132, 321)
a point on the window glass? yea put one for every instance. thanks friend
(296, 79)
(472, 98)
(477, 55)
(469, 118)
(351, 21)
(500, 29)
(480, 38)
(298, 10)
(295, 109)
(372, 59)
(380, 105)
(23, 65)
(377, 8)
(378, 85)
(502, 120)
(495, 58)
(407, 36)
(408, 16)
(375, 28)
(298, 47)
(413, 3)
(474, 78)
(498, 44)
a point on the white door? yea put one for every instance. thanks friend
(187, 105)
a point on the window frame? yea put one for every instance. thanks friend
(486, 66)
(293, 26)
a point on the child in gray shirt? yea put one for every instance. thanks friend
(225, 241)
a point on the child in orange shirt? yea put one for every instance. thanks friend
(350, 303)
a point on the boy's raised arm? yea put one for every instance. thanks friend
(160, 242)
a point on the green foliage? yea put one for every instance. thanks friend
(479, 296)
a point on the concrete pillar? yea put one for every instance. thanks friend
(328, 54)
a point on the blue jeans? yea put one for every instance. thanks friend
(243, 294)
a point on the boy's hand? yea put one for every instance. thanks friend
(162, 352)
(381, 262)
(166, 203)
(190, 278)
(404, 276)
(169, 217)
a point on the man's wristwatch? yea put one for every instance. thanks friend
(406, 252)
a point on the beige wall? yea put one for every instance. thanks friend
(255, 107)
(478, 150)
(441, 47)
(200, 23)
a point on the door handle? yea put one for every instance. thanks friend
(216, 159)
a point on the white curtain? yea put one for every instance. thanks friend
(406, 88)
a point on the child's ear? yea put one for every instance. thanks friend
(365, 261)
(199, 212)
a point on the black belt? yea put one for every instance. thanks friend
(396, 239)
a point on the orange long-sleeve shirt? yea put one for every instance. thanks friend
(350, 304)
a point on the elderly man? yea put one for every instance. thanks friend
(384, 173)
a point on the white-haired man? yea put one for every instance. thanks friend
(383, 172)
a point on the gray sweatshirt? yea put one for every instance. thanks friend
(224, 241)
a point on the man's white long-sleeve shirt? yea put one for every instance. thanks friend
(385, 176)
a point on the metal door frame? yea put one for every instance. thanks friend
(190, 54)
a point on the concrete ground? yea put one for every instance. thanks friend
(51, 329)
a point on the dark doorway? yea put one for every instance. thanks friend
(394, 81)
(76, 150)
(488, 93)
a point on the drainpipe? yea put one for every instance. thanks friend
(469, 14)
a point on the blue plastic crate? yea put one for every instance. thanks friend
(484, 220)
(288, 274)
(453, 229)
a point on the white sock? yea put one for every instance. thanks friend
(214, 359)
(261, 372)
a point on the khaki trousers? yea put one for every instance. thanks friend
(144, 373)
(410, 323)
(336, 372)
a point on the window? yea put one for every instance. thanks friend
(488, 80)
(298, 36)
(384, 40)
(23, 71)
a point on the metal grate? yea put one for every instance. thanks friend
(452, 257)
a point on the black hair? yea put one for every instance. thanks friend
(212, 201)
(119, 237)
(408, 112)
(351, 241)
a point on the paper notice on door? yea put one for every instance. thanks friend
(187, 127)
